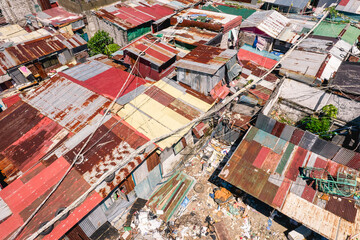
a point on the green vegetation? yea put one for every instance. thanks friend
(99, 42)
(111, 48)
(320, 124)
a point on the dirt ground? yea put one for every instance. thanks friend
(243, 217)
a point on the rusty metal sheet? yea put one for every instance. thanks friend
(281, 193)
(160, 95)
(355, 162)
(297, 135)
(271, 162)
(109, 151)
(251, 152)
(344, 156)
(170, 195)
(309, 192)
(266, 139)
(296, 162)
(268, 193)
(68, 103)
(278, 128)
(343, 208)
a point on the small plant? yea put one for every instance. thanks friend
(320, 124)
(98, 43)
(111, 48)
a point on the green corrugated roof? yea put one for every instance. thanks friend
(327, 29)
(244, 12)
(351, 35)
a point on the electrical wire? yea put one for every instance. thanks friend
(149, 143)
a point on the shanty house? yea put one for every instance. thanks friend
(261, 28)
(206, 66)
(125, 23)
(226, 25)
(267, 166)
(286, 6)
(59, 18)
(315, 60)
(349, 7)
(57, 118)
(157, 60)
(34, 55)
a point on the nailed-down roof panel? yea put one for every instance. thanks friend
(26, 52)
(58, 16)
(267, 167)
(206, 59)
(301, 4)
(128, 17)
(270, 22)
(87, 70)
(351, 6)
(156, 52)
(68, 103)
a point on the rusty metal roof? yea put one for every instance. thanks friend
(267, 167)
(57, 17)
(189, 35)
(30, 51)
(206, 59)
(127, 17)
(159, 53)
(68, 103)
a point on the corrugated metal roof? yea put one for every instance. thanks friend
(158, 54)
(57, 16)
(170, 195)
(257, 169)
(127, 17)
(10, 31)
(161, 109)
(347, 78)
(351, 6)
(68, 103)
(26, 52)
(300, 4)
(271, 22)
(206, 59)
(305, 64)
(103, 79)
(87, 70)
(4, 210)
(189, 35)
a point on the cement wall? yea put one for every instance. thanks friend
(15, 11)
(79, 6)
(95, 24)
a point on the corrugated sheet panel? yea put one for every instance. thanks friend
(287, 132)
(297, 161)
(271, 162)
(260, 158)
(297, 136)
(308, 140)
(318, 146)
(342, 207)
(281, 193)
(5, 211)
(278, 129)
(285, 158)
(251, 134)
(69, 104)
(298, 186)
(355, 162)
(87, 70)
(344, 156)
(309, 192)
(265, 139)
(329, 150)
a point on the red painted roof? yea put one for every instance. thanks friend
(159, 53)
(344, 2)
(109, 82)
(9, 101)
(262, 61)
(131, 17)
(58, 16)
